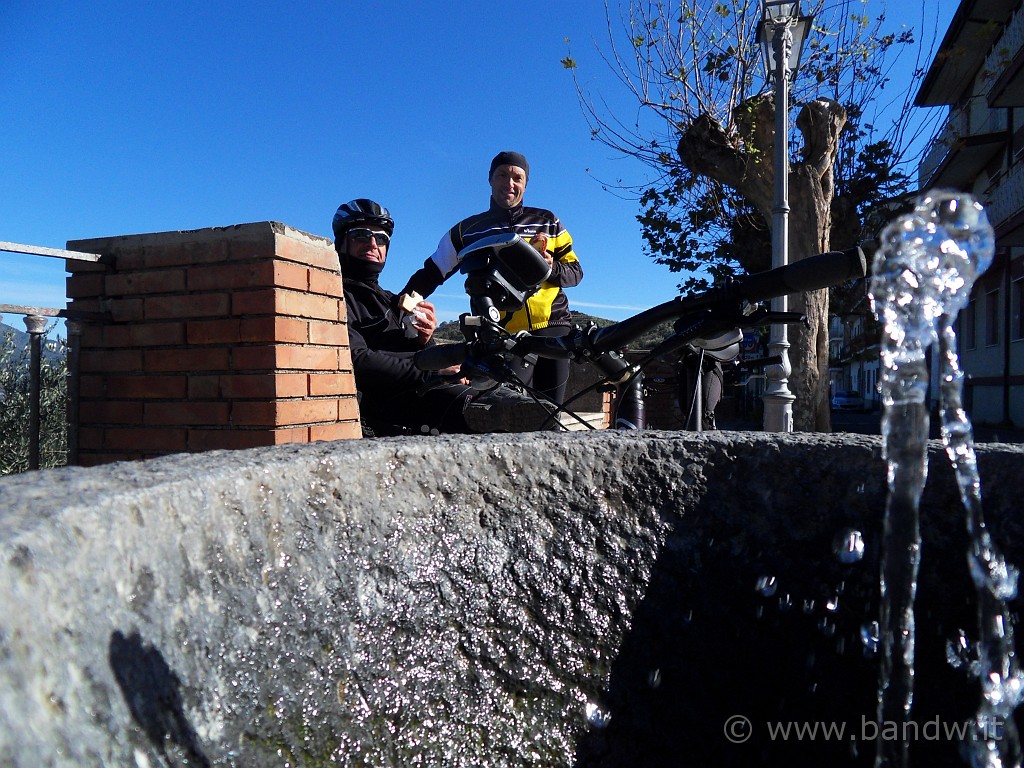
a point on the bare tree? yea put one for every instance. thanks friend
(705, 123)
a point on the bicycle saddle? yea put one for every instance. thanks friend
(725, 346)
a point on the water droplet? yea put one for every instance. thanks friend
(767, 585)
(849, 546)
(869, 637)
(654, 678)
(959, 652)
(595, 716)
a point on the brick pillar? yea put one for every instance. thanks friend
(230, 337)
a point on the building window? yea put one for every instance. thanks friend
(967, 321)
(992, 317)
(1016, 305)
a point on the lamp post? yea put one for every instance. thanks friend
(781, 34)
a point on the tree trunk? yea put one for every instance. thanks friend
(744, 160)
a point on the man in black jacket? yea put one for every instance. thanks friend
(384, 336)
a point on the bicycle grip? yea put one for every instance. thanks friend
(810, 274)
(440, 356)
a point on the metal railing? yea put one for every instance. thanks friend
(36, 321)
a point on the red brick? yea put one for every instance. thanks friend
(116, 336)
(260, 358)
(222, 331)
(88, 305)
(294, 276)
(261, 246)
(204, 387)
(229, 439)
(306, 358)
(304, 252)
(85, 284)
(147, 386)
(75, 266)
(296, 304)
(275, 329)
(306, 411)
(194, 359)
(263, 385)
(154, 255)
(158, 334)
(224, 277)
(91, 386)
(187, 306)
(348, 408)
(92, 336)
(258, 302)
(115, 360)
(148, 281)
(328, 334)
(291, 435)
(109, 412)
(187, 414)
(325, 283)
(253, 414)
(126, 310)
(90, 438)
(331, 384)
(345, 359)
(340, 431)
(145, 439)
(283, 412)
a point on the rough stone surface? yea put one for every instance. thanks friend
(525, 600)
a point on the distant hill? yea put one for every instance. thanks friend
(449, 331)
(20, 340)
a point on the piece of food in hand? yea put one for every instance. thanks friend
(540, 242)
(407, 301)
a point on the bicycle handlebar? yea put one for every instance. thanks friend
(810, 274)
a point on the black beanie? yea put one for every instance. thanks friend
(509, 158)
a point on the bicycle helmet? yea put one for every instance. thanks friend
(361, 211)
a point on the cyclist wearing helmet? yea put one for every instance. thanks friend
(382, 347)
(546, 312)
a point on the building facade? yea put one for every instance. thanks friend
(978, 74)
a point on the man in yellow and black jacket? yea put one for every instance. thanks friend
(546, 312)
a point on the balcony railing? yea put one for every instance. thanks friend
(1005, 197)
(36, 321)
(1000, 58)
(975, 118)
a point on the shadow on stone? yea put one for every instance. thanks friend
(151, 692)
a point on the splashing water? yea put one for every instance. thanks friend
(921, 279)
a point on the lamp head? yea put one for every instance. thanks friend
(778, 17)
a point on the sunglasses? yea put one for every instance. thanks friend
(365, 235)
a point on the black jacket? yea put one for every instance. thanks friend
(381, 353)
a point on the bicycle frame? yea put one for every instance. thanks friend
(495, 279)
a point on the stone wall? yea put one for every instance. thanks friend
(531, 600)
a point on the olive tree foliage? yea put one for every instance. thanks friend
(704, 122)
(15, 407)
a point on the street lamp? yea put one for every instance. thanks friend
(781, 35)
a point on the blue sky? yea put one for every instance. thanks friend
(124, 118)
